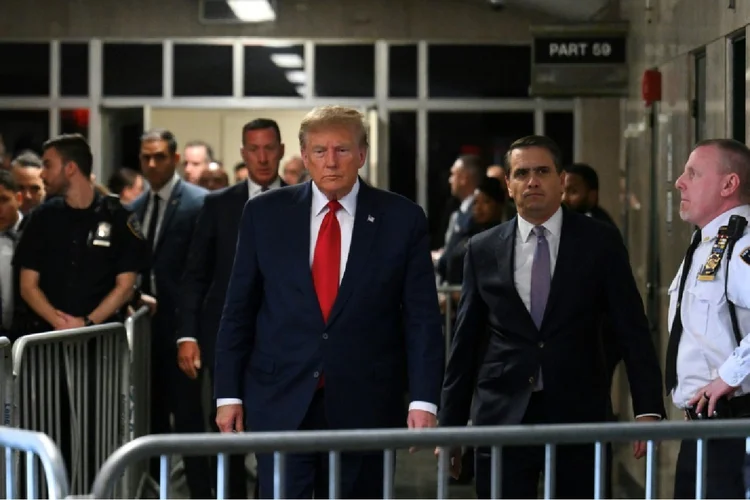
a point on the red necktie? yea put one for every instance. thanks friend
(327, 262)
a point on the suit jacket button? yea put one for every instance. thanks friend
(316, 374)
(541, 345)
(325, 336)
(531, 380)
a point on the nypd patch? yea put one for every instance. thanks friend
(135, 226)
(745, 256)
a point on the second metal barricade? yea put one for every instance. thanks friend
(74, 385)
(138, 328)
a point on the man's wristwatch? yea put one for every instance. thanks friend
(87, 321)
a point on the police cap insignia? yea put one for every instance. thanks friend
(135, 226)
(745, 255)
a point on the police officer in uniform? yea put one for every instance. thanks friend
(708, 354)
(80, 252)
(78, 256)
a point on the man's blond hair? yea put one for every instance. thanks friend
(333, 117)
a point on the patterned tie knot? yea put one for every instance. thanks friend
(539, 231)
(334, 206)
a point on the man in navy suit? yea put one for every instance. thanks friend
(168, 211)
(209, 263)
(331, 314)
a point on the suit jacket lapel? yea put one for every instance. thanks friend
(565, 271)
(506, 261)
(169, 210)
(366, 221)
(298, 229)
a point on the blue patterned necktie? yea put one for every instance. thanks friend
(541, 276)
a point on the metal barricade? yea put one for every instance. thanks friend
(281, 443)
(138, 328)
(35, 444)
(73, 385)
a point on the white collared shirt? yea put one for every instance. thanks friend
(526, 242)
(345, 217)
(708, 348)
(7, 247)
(254, 189)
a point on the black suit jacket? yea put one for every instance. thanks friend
(209, 266)
(497, 350)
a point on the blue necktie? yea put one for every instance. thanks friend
(541, 276)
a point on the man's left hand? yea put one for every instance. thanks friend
(710, 394)
(640, 448)
(420, 419)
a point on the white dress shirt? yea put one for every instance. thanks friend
(708, 348)
(345, 217)
(254, 189)
(165, 193)
(7, 246)
(526, 242)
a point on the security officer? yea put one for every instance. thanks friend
(708, 354)
(80, 252)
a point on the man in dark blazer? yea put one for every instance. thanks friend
(527, 345)
(210, 260)
(168, 211)
(331, 314)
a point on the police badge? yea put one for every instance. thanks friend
(135, 227)
(708, 271)
(102, 236)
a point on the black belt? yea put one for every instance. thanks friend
(738, 407)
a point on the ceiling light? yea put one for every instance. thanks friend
(296, 77)
(288, 61)
(253, 11)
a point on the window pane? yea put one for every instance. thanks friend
(202, 70)
(738, 89)
(700, 97)
(75, 121)
(25, 69)
(479, 71)
(345, 70)
(275, 71)
(559, 127)
(133, 70)
(402, 154)
(22, 130)
(451, 134)
(402, 71)
(74, 69)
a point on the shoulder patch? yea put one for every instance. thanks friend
(135, 226)
(745, 256)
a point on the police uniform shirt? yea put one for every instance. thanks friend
(67, 247)
(708, 348)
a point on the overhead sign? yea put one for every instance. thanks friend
(589, 60)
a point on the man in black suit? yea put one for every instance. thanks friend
(210, 260)
(168, 210)
(526, 346)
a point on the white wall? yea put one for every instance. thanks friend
(222, 129)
